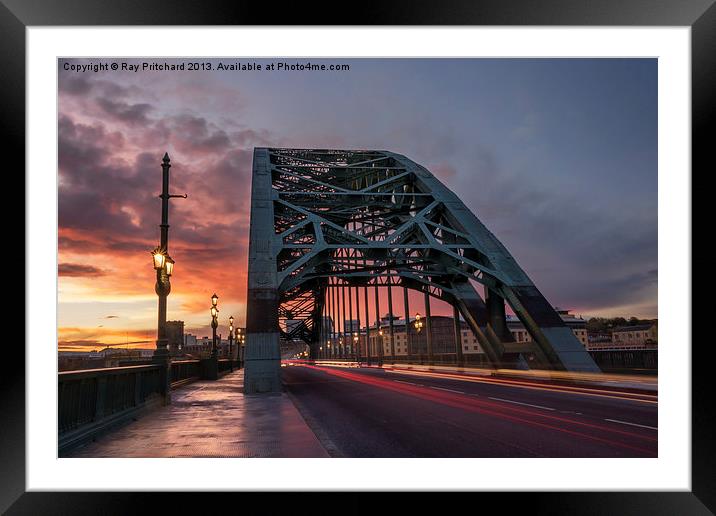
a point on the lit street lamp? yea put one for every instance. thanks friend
(418, 322)
(240, 338)
(164, 265)
(231, 335)
(214, 324)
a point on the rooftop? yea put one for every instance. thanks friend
(638, 327)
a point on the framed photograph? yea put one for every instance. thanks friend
(419, 252)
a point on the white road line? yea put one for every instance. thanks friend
(449, 390)
(631, 424)
(520, 403)
(409, 383)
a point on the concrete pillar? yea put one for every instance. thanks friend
(263, 352)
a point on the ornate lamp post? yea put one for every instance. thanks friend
(231, 334)
(164, 265)
(355, 346)
(214, 324)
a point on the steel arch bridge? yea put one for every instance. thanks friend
(323, 220)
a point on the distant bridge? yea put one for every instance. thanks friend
(327, 222)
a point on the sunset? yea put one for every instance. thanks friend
(585, 130)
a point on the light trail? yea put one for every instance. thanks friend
(516, 414)
(523, 384)
(588, 391)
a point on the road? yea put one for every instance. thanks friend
(368, 412)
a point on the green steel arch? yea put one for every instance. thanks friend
(366, 218)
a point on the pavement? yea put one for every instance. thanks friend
(212, 419)
(368, 412)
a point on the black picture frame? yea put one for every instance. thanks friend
(700, 15)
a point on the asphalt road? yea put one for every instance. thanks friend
(377, 413)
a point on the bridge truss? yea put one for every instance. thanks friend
(323, 221)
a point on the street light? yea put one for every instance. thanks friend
(242, 337)
(164, 266)
(169, 265)
(418, 322)
(158, 257)
(231, 336)
(214, 324)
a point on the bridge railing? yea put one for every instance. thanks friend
(185, 371)
(226, 365)
(93, 399)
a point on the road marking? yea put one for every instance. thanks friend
(631, 424)
(409, 383)
(520, 403)
(449, 390)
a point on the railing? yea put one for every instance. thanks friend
(227, 365)
(638, 360)
(185, 371)
(93, 399)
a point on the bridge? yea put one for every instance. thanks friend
(330, 354)
(332, 230)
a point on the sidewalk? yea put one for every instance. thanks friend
(212, 419)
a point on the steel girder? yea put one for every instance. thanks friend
(360, 217)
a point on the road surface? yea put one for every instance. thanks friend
(364, 412)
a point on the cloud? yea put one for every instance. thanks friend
(79, 270)
(133, 114)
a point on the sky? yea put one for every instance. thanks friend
(557, 157)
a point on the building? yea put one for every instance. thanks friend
(175, 336)
(641, 336)
(576, 324)
(414, 343)
(189, 340)
(195, 347)
(107, 357)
